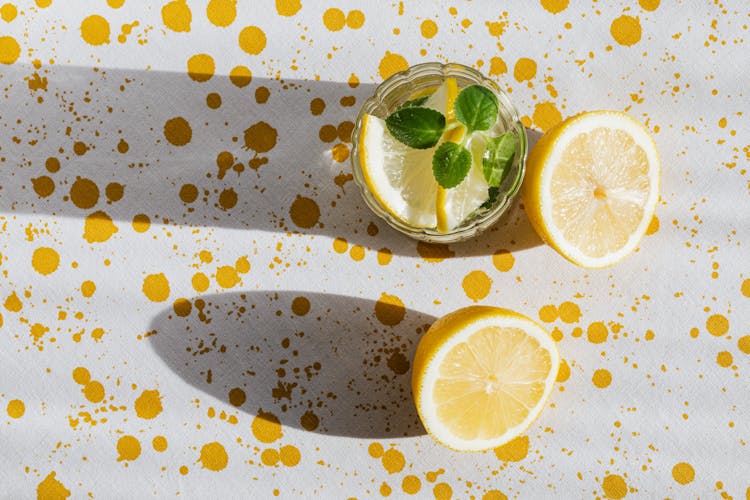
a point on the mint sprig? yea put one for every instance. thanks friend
(450, 164)
(498, 158)
(476, 107)
(417, 127)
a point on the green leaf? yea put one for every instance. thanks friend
(419, 128)
(413, 103)
(476, 107)
(450, 164)
(498, 158)
(492, 195)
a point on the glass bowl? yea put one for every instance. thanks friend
(399, 88)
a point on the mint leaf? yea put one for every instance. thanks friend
(498, 158)
(476, 107)
(450, 164)
(492, 194)
(418, 128)
(413, 103)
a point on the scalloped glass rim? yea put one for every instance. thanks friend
(393, 92)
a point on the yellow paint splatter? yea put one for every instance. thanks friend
(497, 66)
(391, 63)
(300, 306)
(548, 313)
(128, 448)
(45, 260)
(93, 391)
(88, 288)
(44, 186)
(724, 359)
(683, 473)
(546, 115)
(98, 227)
(384, 256)
(614, 486)
(266, 427)
(650, 5)
(95, 30)
(569, 312)
(340, 245)
(201, 67)
(597, 332)
(141, 223)
(84, 193)
(288, 8)
(411, 484)
(602, 378)
(334, 19)
(555, 6)
(221, 13)
(37, 332)
(159, 443)
(227, 277)
(375, 450)
(626, 30)
(717, 325)
(81, 375)
(653, 226)
(304, 212)
(393, 461)
(177, 16)
(16, 408)
(429, 28)
(290, 455)
(51, 489)
(252, 40)
(563, 372)
(148, 404)
(476, 285)
(357, 253)
(200, 282)
(10, 51)
(213, 456)
(385, 490)
(389, 309)
(240, 76)
(355, 19)
(8, 12)
(178, 131)
(514, 450)
(442, 491)
(242, 265)
(237, 397)
(494, 495)
(156, 287)
(743, 344)
(13, 303)
(525, 69)
(270, 457)
(503, 260)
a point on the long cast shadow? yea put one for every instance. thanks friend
(325, 363)
(271, 155)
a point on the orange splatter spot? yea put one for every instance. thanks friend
(563, 372)
(429, 28)
(393, 461)
(84, 193)
(328, 133)
(114, 191)
(384, 256)
(434, 252)
(745, 288)
(177, 131)
(340, 245)
(184, 470)
(213, 456)
(240, 76)
(494, 495)
(724, 359)
(290, 455)
(626, 30)
(159, 443)
(495, 28)
(288, 8)
(476, 285)
(228, 199)
(213, 100)
(141, 223)
(597, 332)
(52, 165)
(317, 106)
(309, 421)
(649, 335)
(391, 63)
(304, 212)
(743, 344)
(37, 332)
(128, 448)
(717, 325)
(200, 282)
(156, 287)
(95, 30)
(260, 137)
(650, 5)
(514, 450)
(569, 312)
(88, 288)
(355, 19)
(221, 13)
(201, 67)
(148, 404)
(389, 310)
(237, 397)
(357, 253)
(81, 375)
(93, 391)
(176, 15)
(375, 450)
(300, 306)
(614, 486)
(442, 491)
(340, 152)
(497, 66)
(122, 146)
(385, 490)
(653, 226)
(266, 427)
(334, 19)
(188, 193)
(270, 457)
(555, 6)
(80, 148)
(45, 260)
(8, 12)
(43, 186)
(50, 488)
(242, 265)
(252, 40)
(683, 473)
(13, 303)
(503, 260)
(411, 484)
(525, 69)
(16, 408)
(98, 227)
(602, 378)
(548, 313)
(546, 115)
(227, 277)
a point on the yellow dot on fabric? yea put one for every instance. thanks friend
(548, 313)
(614, 486)
(10, 51)
(45, 260)
(602, 378)
(626, 30)
(355, 19)
(724, 359)
(743, 344)
(95, 30)
(569, 312)
(411, 484)
(391, 63)
(717, 325)
(252, 40)
(503, 260)
(201, 67)
(745, 288)
(525, 69)
(16, 408)
(683, 473)
(476, 285)
(597, 332)
(429, 28)
(334, 19)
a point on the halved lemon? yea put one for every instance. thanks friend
(592, 183)
(481, 375)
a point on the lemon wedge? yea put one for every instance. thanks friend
(591, 187)
(481, 375)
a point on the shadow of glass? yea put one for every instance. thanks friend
(271, 155)
(318, 362)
